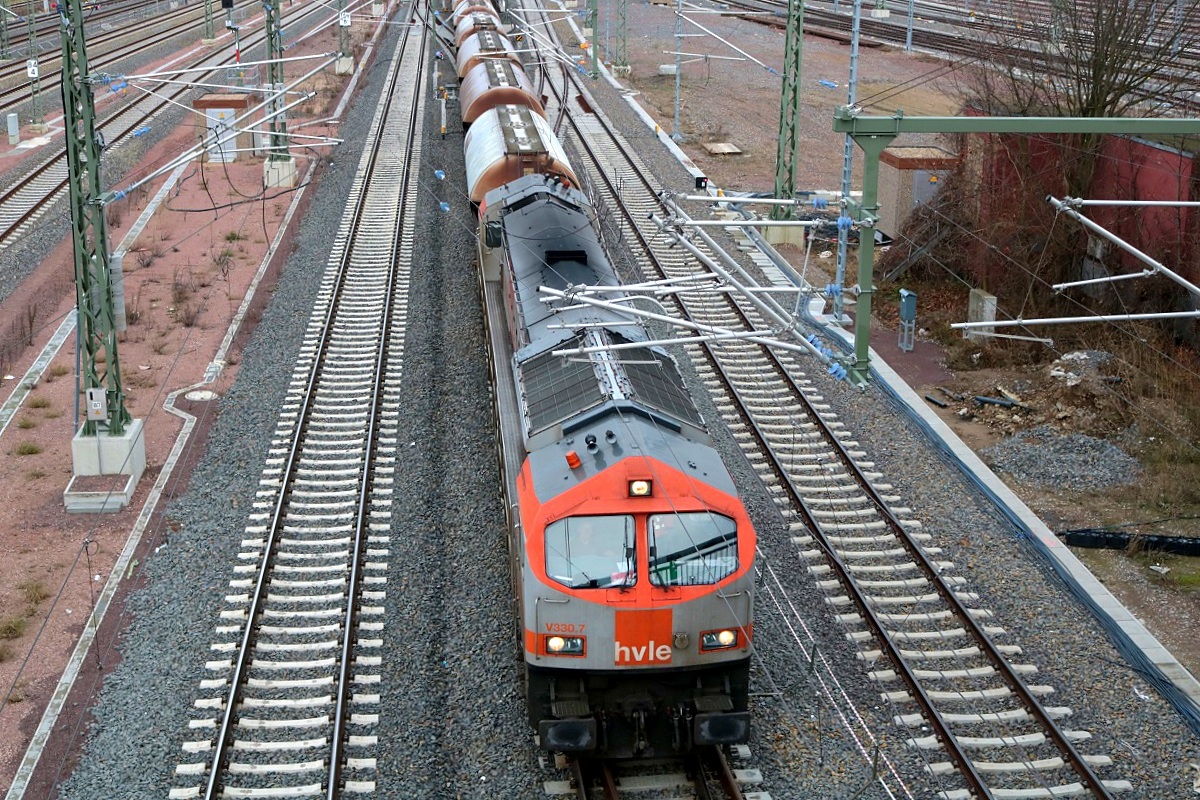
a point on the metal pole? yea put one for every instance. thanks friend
(866, 254)
(1178, 34)
(593, 18)
(343, 30)
(237, 43)
(608, 32)
(1124, 245)
(909, 27)
(839, 279)
(277, 150)
(4, 12)
(675, 134)
(210, 31)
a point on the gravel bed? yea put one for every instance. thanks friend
(1044, 456)
(1129, 721)
(120, 163)
(452, 722)
(29, 251)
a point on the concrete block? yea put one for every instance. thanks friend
(279, 174)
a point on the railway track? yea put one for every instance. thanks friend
(707, 775)
(293, 702)
(112, 39)
(1021, 36)
(922, 634)
(31, 194)
(46, 25)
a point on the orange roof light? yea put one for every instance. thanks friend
(573, 459)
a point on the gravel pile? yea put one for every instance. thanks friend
(452, 722)
(1045, 456)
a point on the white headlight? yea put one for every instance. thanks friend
(565, 645)
(719, 640)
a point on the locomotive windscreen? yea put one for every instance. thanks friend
(567, 268)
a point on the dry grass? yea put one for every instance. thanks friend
(34, 591)
(183, 285)
(17, 694)
(27, 449)
(55, 372)
(137, 379)
(188, 313)
(13, 627)
(39, 402)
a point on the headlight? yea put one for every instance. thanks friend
(564, 645)
(641, 488)
(719, 640)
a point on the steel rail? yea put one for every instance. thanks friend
(12, 97)
(118, 126)
(350, 624)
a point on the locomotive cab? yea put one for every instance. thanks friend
(637, 595)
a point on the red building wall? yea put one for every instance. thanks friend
(1018, 172)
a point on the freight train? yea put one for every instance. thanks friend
(632, 556)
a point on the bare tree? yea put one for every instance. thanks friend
(1094, 58)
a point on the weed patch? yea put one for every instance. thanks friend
(13, 627)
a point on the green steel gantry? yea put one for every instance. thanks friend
(874, 134)
(210, 31)
(789, 111)
(622, 59)
(100, 367)
(277, 149)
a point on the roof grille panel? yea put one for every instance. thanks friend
(656, 382)
(556, 388)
